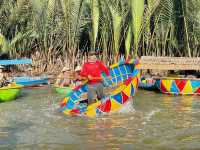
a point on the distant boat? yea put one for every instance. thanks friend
(63, 90)
(9, 93)
(15, 62)
(31, 81)
(147, 84)
(178, 86)
(174, 85)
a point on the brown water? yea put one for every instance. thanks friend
(156, 122)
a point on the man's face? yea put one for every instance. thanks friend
(92, 58)
(66, 72)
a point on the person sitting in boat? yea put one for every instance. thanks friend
(64, 78)
(4, 81)
(191, 76)
(147, 79)
(77, 76)
(29, 71)
(92, 70)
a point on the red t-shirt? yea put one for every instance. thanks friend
(94, 69)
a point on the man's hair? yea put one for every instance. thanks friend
(91, 53)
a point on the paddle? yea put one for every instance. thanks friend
(89, 78)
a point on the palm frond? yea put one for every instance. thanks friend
(137, 11)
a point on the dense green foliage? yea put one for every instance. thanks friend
(118, 27)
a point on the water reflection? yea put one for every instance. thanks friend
(158, 122)
(109, 132)
(179, 103)
(181, 110)
(185, 103)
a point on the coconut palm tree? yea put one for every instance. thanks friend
(129, 27)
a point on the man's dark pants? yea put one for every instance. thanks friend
(93, 90)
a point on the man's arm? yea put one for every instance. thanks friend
(103, 68)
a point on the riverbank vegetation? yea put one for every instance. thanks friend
(67, 29)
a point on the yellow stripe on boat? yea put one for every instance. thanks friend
(188, 88)
(127, 90)
(91, 109)
(65, 100)
(67, 112)
(114, 65)
(119, 89)
(167, 84)
(115, 105)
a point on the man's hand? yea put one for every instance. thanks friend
(90, 77)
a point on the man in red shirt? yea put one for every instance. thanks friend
(92, 70)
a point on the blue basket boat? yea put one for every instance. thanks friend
(31, 81)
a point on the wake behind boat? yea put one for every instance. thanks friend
(122, 85)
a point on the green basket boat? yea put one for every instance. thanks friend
(9, 93)
(63, 90)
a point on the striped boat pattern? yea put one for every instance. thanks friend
(125, 72)
(179, 86)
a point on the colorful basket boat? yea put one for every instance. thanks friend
(10, 92)
(178, 86)
(125, 78)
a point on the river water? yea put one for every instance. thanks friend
(153, 122)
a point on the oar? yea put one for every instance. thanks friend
(92, 78)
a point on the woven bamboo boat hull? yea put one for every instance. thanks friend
(9, 93)
(125, 74)
(178, 86)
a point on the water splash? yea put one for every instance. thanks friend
(149, 115)
(127, 108)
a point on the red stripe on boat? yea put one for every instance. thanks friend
(137, 82)
(105, 107)
(180, 84)
(198, 91)
(162, 87)
(124, 98)
(77, 87)
(128, 81)
(75, 111)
